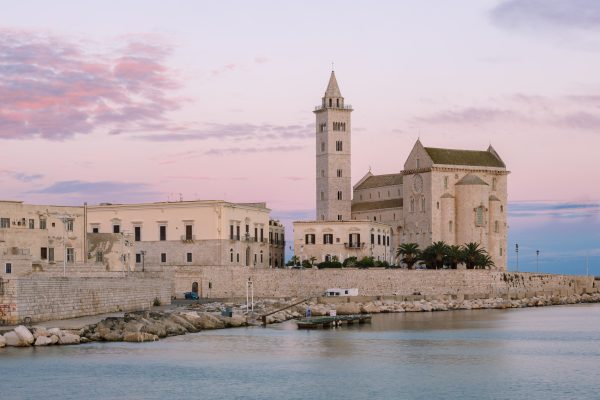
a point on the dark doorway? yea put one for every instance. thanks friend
(195, 287)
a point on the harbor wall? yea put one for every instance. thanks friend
(43, 297)
(231, 282)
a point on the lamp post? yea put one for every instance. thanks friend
(537, 261)
(517, 251)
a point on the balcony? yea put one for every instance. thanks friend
(188, 238)
(321, 107)
(354, 245)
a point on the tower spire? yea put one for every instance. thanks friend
(333, 90)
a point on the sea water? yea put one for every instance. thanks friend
(534, 353)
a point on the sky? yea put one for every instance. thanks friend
(135, 101)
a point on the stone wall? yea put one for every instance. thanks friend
(42, 297)
(226, 282)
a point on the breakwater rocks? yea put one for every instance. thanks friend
(141, 326)
(321, 307)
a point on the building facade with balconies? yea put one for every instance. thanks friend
(189, 233)
(276, 244)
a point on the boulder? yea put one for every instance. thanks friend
(2, 341)
(12, 339)
(183, 322)
(54, 331)
(156, 328)
(347, 309)
(43, 341)
(139, 337)
(210, 321)
(40, 331)
(53, 339)
(24, 334)
(68, 338)
(370, 308)
(133, 326)
(112, 336)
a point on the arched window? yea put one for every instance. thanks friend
(422, 203)
(231, 254)
(337, 102)
(261, 256)
(339, 195)
(330, 102)
(412, 205)
(496, 226)
(237, 257)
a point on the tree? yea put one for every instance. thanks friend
(434, 255)
(473, 254)
(366, 262)
(409, 254)
(350, 262)
(312, 261)
(454, 256)
(485, 262)
(295, 260)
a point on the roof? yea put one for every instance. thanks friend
(333, 90)
(377, 205)
(446, 196)
(471, 179)
(477, 158)
(380, 181)
(494, 198)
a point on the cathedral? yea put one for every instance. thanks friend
(450, 195)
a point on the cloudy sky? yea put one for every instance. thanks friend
(149, 101)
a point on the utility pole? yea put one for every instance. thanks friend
(517, 251)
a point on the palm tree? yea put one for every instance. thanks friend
(435, 254)
(485, 262)
(312, 261)
(295, 260)
(409, 254)
(454, 256)
(472, 254)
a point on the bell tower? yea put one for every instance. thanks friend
(333, 155)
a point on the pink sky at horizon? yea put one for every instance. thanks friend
(106, 103)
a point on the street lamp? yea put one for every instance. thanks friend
(537, 261)
(517, 251)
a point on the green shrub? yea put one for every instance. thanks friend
(366, 262)
(156, 302)
(350, 262)
(329, 264)
(306, 264)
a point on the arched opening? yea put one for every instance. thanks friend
(248, 256)
(327, 258)
(195, 287)
(330, 102)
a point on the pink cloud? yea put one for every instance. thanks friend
(52, 88)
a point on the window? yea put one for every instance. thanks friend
(422, 203)
(247, 229)
(162, 232)
(501, 208)
(339, 217)
(116, 228)
(51, 254)
(412, 205)
(188, 257)
(322, 146)
(44, 253)
(338, 145)
(256, 234)
(388, 240)
(309, 238)
(322, 173)
(323, 127)
(500, 250)
(496, 226)
(494, 181)
(31, 224)
(163, 257)
(231, 232)
(95, 229)
(437, 205)
(339, 195)
(270, 237)
(328, 238)
(99, 257)
(354, 240)
(261, 256)
(237, 257)
(138, 258)
(322, 195)
(445, 182)
(379, 239)
(479, 216)
(69, 225)
(330, 102)
(450, 226)
(322, 217)
(372, 238)
(137, 233)
(339, 173)
(262, 235)
(42, 223)
(189, 229)
(231, 255)
(8, 268)
(337, 102)
(70, 255)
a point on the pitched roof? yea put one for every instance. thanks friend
(380, 181)
(465, 157)
(377, 205)
(471, 179)
(333, 90)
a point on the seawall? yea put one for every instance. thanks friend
(231, 282)
(42, 297)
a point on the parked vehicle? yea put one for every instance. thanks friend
(191, 295)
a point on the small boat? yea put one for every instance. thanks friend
(336, 320)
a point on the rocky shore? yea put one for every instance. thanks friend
(147, 326)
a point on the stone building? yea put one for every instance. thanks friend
(276, 244)
(451, 195)
(41, 235)
(193, 233)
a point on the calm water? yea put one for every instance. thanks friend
(545, 353)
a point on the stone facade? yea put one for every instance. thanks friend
(42, 297)
(276, 244)
(189, 232)
(332, 146)
(342, 239)
(229, 282)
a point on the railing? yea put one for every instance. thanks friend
(321, 107)
(354, 245)
(186, 238)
